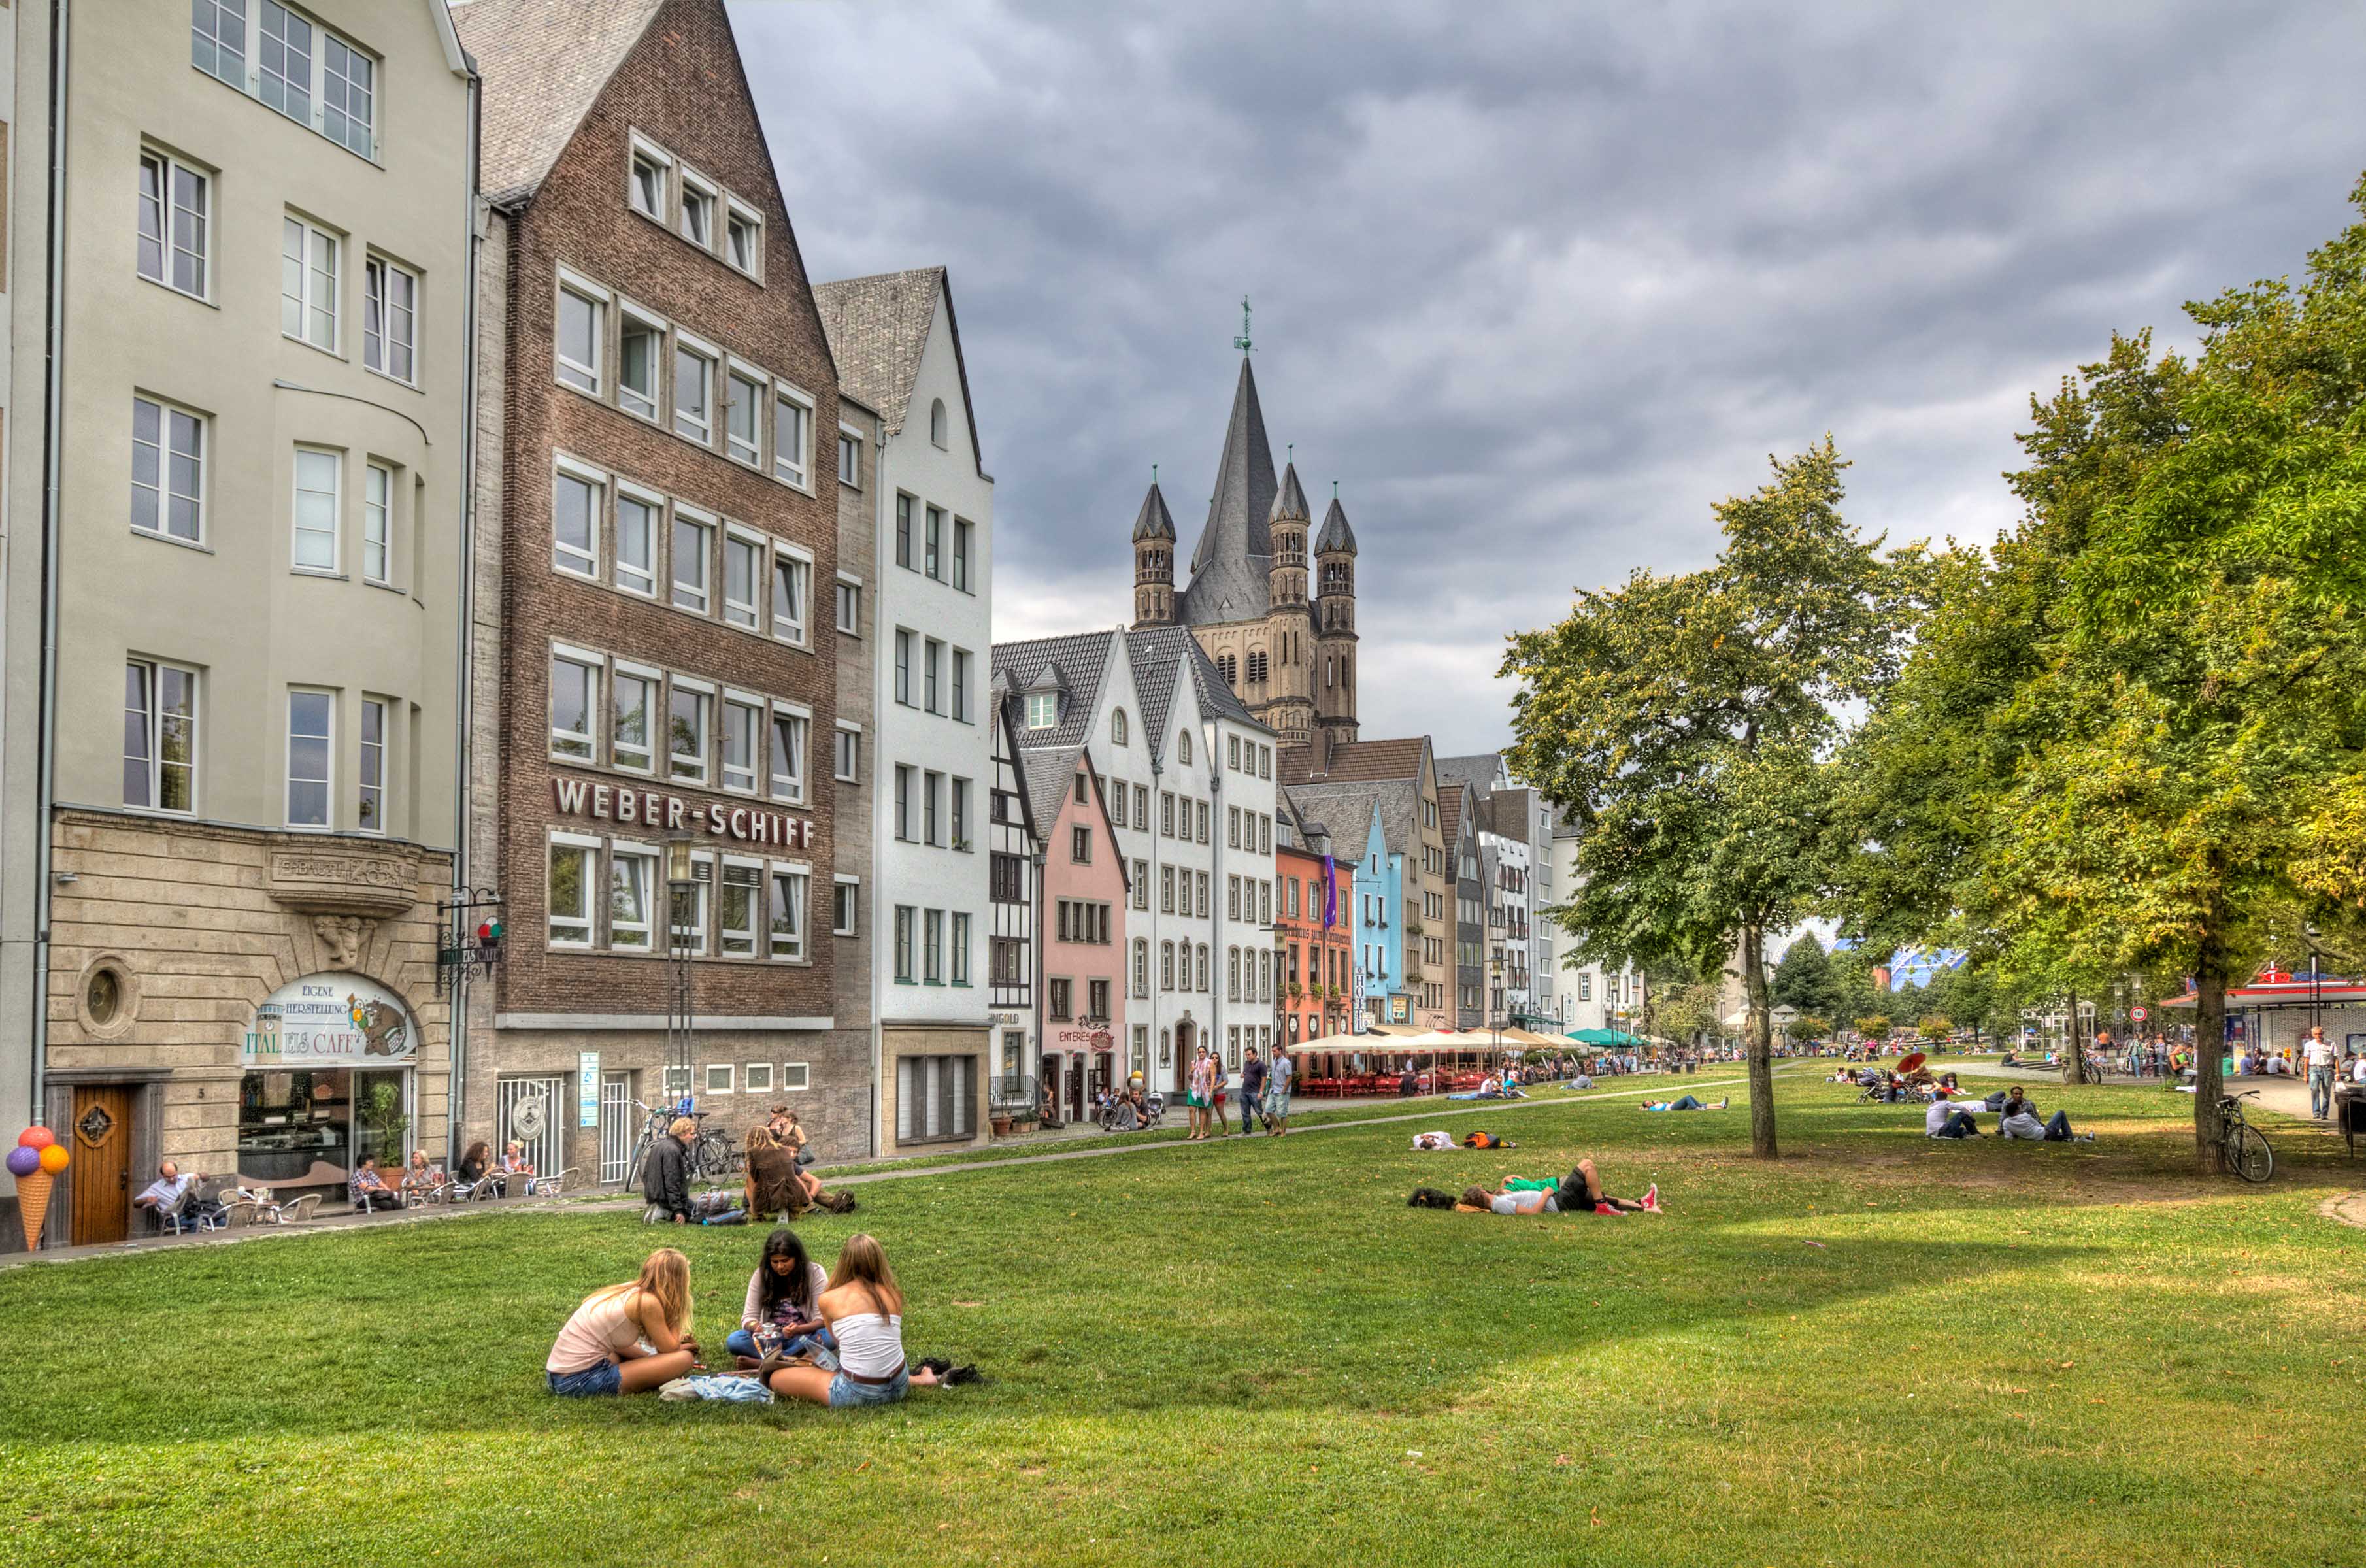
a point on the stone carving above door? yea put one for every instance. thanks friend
(336, 878)
(344, 939)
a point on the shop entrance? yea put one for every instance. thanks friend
(101, 1135)
(1185, 1039)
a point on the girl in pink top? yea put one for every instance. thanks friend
(627, 1338)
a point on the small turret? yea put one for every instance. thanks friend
(1154, 560)
(1335, 619)
(1334, 556)
(1279, 688)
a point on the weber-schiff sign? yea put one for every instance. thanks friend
(656, 811)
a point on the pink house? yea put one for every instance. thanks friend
(1081, 916)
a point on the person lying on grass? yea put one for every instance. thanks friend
(783, 1311)
(1686, 1102)
(863, 1309)
(1947, 1120)
(600, 1351)
(2021, 1120)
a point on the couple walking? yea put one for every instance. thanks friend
(1265, 1090)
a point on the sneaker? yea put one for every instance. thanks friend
(1607, 1209)
(1651, 1200)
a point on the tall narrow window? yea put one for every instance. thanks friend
(935, 658)
(743, 238)
(903, 801)
(961, 686)
(959, 945)
(348, 92)
(743, 418)
(628, 734)
(377, 524)
(570, 901)
(575, 522)
(316, 509)
(686, 735)
(390, 338)
(286, 58)
(308, 283)
(903, 530)
(693, 394)
(961, 813)
(218, 39)
(962, 535)
(792, 425)
(742, 725)
(792, 591)
(640, 348)
(692, 540)
(904, 671)
(936, 540)
(637, 545)
(370, 812)
(742, 566)
(160, 736)
(788, 756)
(168, 471)
(697, 212)
(648, 188)
(579, 340)
(310, 727)
(847, 764)
(631, 873)
(849, 607)
(743, 894)
(175, 220)
(789, 891)
(574, 702)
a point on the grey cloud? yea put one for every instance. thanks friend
(1537, 283)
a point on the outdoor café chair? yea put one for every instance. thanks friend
(299, 1212)
(550, 1186)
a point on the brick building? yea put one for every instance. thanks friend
(659, 515)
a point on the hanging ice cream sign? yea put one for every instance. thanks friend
(330, 1020)
(657, 812)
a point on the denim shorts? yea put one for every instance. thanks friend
(844, 1390)
(607, 1378)
(1276, 1103)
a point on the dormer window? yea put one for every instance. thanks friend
(1042, 710)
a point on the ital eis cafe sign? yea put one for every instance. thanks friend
(659, 812)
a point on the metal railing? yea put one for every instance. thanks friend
(1008, 1091)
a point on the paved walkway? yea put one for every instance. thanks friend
(1429, 1109)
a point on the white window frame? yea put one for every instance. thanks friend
(594, 666)
(634, 579)
(565, 557)
(309, 286)
(792, 789)
(748, 613)
(377, 317)
(1047, 716)
(757, 932)
(655, 716)
(737, 373)
(797, 632)
(751, 774)
(602, 301)
(635, 936)
(628, 398)
(702, 430)
(152, 725)
(589, 920)
(730, 1076)
(846, 759)
(796, 1078)
(738, 212)
(165, 409)
(850, 440)
(853, 925)
(384, 746)
(706, 693)
(802, 951)
(794, 469)
(701, 886)
(688, 183)
(378, 523)
(167, 210)
(642, 147)
(749, 1080)
(850, 591)
(707, 524)
(287, 761)
(317, 74)
(297, 532)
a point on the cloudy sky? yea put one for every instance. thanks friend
(1536, 283)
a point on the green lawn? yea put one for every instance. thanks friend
(1880, 1351)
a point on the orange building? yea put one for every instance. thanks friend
(1313, 915)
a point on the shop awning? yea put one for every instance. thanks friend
(1606, 1037)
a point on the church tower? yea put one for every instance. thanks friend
(1154, 560)
(1334, 666)
(1288, 656)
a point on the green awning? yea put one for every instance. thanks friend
(1603, 1037)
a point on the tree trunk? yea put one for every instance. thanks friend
(2073, 1060)
(1762, 1041)
(2209, 1040)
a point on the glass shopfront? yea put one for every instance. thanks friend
(328, 1080)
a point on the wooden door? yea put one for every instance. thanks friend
(101, 1131)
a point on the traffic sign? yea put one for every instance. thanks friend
(2138, 1014)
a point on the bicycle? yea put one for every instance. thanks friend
(2243, 1148)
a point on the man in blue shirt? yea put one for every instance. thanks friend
(1251, 1088)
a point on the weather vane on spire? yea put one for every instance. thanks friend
(1242, 342)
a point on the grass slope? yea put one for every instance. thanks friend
(1877, 1350)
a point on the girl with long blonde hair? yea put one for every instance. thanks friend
(600, 1349)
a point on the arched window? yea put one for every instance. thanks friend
(1256, 667)
(1117, 726)
(936, 421)
(1166, 966)
(1183, 747)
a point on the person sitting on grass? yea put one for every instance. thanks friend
(368, 1188)
(776, 1184)
(1947, 1120)
(783, 1311)
(601, 1349)
(863, 1307)
(2020, 1121)
(665, 1175)
(1686, 1102)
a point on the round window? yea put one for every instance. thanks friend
(103, 997)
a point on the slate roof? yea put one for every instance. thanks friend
(1478, 771)
(1450, 807)
(1154, 521)
(1047, 774)
(543, 63)
(1335, 534)
(1076, 663)
(1230, 563)
(1290, 502)
(878, 330)
(1399, 800)
(1354, 761)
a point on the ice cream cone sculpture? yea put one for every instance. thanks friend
(35, 1162)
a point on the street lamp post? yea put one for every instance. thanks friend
(1494, 999)
(682, 931)
(2315, 977)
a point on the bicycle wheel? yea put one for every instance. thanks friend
(633, 1171)
(2248, 1155)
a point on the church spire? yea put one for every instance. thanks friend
(1229, 563)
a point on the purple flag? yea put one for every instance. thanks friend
(1330, 893)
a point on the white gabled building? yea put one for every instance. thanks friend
(1196, 774)
(898, 349)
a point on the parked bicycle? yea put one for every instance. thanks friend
(713, 1155)
(2243, 1148)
